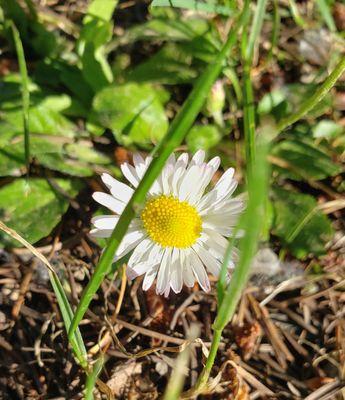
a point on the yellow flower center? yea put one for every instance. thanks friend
(171, 222)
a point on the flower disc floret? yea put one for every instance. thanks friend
(171, 222)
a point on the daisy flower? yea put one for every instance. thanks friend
(180, 233)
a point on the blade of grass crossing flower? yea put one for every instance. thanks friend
(257, 178)
(176, 133)
(251, 223)
(221, 284)
(311, 102)
(66, 311)
(92, 378)
(25, 91)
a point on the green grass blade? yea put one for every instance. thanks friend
(92, 378)
(311, 102)
(25, 91)
(251, 223)
(194, 5)
(248, 117)
(176, 133)
(65, 308)
(76, 339)
(248, 95)
(256, 29)
(326, 14)
(295, 14)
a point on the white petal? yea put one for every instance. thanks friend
(214, 163)
(105, 221)
(101, 233)
(138, 159)
(188, 276)
(198, 157)
(129, 242)
(130, 174)
(150, 277)
(182, 161)
(176, 280)
(164, 271)
(141, 252)
(109, 201)
(189, 181)
(137, 270)
(211, 263)
(199, 271)
(118, 189)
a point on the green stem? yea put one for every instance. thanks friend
(310, 103)
(203, 377)
(25, 92)
(177, 131)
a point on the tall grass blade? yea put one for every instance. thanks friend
(311, 102)
(25, 92)
(66, 311)
(248, 96)
(177, 131)
(251, 222)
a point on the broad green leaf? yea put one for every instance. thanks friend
(302, 228)
(34, 209)
(43, 120)
(55, 153)
(303, 161)
(171, 65)
(133, 112)
(85, 152)
(202, 137)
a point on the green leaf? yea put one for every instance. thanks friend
(304, 161)
(202, 137)
(133, 112)
(43, 120)
(96, 32)
(302, 228)
(171, 65)
(34, 209)
(55, 153)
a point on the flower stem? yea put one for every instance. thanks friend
(310, 103)
(203, 377)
